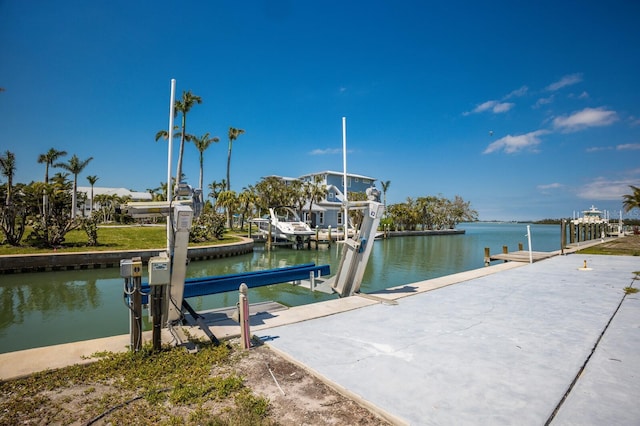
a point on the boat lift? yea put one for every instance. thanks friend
(167, 287)
(357, 250)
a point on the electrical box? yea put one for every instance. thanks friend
(183, 216)
(126, 268)
(130, 268)
(159, 271)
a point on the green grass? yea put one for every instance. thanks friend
(113, 238)
(167, 387)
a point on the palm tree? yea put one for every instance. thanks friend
(631, 201)
(228, 200)
(316, 191)
(8, 170)
(48, 159)
(233, 135)
(183, 106)
(202, 143)
(92, 181)
(247, 200)
(165, 135)
(385, 187)
(75, 167)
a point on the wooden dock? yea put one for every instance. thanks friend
(521, 256)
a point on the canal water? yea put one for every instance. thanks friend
(42, 309)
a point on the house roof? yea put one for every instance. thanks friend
(120, 192)
(331, 172)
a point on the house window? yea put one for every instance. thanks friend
(331, 195)
(340, 218)
(321, 215)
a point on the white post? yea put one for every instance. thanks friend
(169, 161)
(529, 242)
(344, 168)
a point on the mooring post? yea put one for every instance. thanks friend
(487, 256)
(136, 309)
(243, 306)
(520, 246)
(317, 237)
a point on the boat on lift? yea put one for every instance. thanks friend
(593, 215)
(286, 226)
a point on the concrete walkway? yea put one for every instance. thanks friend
(497, 345)
(501, 349)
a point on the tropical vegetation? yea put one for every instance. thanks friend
(41, 214)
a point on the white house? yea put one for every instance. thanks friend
(120, 192)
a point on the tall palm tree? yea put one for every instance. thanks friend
(75, 167)
(92, 181)
(48, 158)
(631, 201)
(165, 135)
(8, 170)
(184, 106)
(385, 187)
(233, 135)
(228, 200)
(202, 143)
(316, 191)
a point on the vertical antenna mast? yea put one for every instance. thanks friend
(344, 168)
(169, 161)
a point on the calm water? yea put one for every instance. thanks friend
(41, 309)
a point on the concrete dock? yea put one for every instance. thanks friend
(530, 344)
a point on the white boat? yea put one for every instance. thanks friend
(593, 215)
(285, 225)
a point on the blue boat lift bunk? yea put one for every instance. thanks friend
(195, 287)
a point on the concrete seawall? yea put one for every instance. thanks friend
(10, 264)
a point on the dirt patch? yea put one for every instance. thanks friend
(298, 397)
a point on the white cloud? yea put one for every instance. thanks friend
(517, 93)
(567, 80)
(493, 106)
(554, 185)
(543, 101)
(588, 117)
(605, 189)
(512, 144)
(326, 151)
(598, 148)
(628, 146)
(548, 188)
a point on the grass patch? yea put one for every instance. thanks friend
(114, 238)
(623, 246)
(167, 387)
(630, 290)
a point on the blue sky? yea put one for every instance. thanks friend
(528, 110)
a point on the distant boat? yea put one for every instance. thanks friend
(593, 215)
(285, 226)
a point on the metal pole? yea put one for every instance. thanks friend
(344, 167)
(529, 241)
(169, 162)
